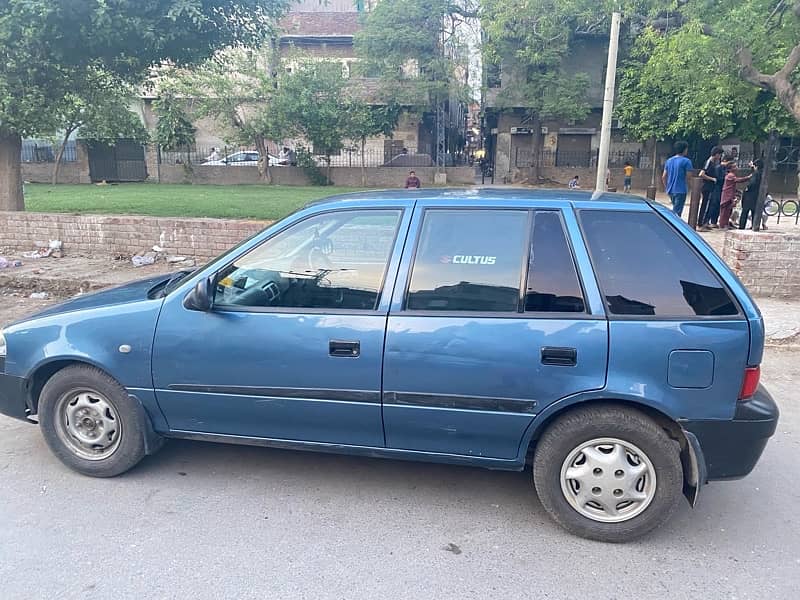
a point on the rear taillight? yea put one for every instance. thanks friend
(750, 383)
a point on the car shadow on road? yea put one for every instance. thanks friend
(488, 495)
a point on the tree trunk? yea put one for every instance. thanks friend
(328, 175)
(60, 155)
(11, 197)
(536, 148)
(263, 162)
(363, 165)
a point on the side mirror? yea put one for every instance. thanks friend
(201, 297)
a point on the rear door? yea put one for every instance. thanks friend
(491, 324)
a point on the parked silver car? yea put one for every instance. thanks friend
(245, 158)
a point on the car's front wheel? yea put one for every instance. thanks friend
(608, 473)
(90, 422)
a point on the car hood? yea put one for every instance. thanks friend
(130, 292)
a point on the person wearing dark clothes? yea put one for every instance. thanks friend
(412, 181)
(709, 176)
(751, 193)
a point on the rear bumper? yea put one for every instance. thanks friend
(12, 396)
(730, 449)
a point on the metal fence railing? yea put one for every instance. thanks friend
(579, 158)
(347, 157)
(43, 151)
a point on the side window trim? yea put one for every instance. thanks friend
(611, 316)
(523, 291)
(394, 252)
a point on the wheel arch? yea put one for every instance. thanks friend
(690, 452)
(45, 370)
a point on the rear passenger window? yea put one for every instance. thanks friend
(469, 260)
(553, 284)
(644, 267)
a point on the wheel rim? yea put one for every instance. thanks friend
(88, 424)
(608, 480)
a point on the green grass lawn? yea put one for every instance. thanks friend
(162, 200)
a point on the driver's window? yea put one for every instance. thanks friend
(335, 260)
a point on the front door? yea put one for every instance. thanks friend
(491, 327)
(293, 346)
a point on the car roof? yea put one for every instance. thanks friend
(486, 194)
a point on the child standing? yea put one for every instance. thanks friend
(729, 194)
(628, 170)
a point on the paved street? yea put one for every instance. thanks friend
(205, 521)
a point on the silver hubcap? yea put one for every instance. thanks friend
(608, 480)
(88, 424)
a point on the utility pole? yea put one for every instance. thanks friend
(608, 105)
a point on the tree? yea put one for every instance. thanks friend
(236, 88)
(530, 40)
(413, 48)
(417, 52)
(174, 129)
(678, 84)
(98, 106)
(312, 101)
(363, 120)
(48, 45)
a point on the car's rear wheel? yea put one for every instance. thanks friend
(608, 473)
(90, 422)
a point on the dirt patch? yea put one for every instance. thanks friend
(63, 278)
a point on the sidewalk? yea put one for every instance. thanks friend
(781, 321)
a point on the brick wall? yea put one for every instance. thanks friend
(766, 262)
(377, 177)
(123, 235)
(70, 172)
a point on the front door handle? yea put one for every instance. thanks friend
(561, 357)
(343, 348)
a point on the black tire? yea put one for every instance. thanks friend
(607, 421)
(130, 445)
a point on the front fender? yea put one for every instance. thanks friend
(91, 336)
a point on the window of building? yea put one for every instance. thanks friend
(331, 261)
(553, 284)
(469, 260)
(644, 267)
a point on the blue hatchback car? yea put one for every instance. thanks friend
(600, 340)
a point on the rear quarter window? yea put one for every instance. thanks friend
(645, 268)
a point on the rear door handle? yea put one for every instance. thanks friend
(343, 348)
(561, 357)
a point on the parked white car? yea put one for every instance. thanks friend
(245, 158)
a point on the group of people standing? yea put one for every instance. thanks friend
(720, 184)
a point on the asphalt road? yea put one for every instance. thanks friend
(207, 521)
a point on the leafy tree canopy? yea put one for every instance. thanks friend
(46, 46)
(416, 49)
(714, 70)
